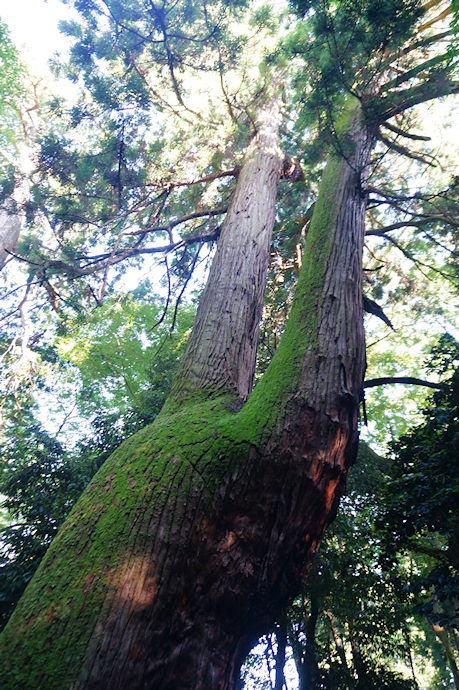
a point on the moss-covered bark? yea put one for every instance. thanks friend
(199, 529)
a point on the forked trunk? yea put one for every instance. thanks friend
(198, 531)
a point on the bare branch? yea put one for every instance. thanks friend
(234, 172)
(408, 380)
(169, 293)
(436, 19)
(405, 152)
(190, 273)
(402, 133)
(179, 221)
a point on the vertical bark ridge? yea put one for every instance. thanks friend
(321, 358)
(221, 353)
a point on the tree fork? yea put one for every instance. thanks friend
(198, 531)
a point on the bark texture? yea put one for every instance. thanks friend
(12, 214)
(198, 531)
(10, 229)
(222, 348)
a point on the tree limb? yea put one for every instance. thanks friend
(435, 87)
(402, 133)
(414, 71)
(410, 380)
(416, 261)
(179, 221)
(435, 19)
(404, 151)
(103, 261)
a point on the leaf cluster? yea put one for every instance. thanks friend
(421, 509)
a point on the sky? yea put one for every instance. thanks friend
(33, 26)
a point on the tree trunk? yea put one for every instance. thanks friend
(442, 635)
(221, 353)
(340, 651)
(198, 531)
(12, 214)
(281, 639)
(305, 655)
(10, 229)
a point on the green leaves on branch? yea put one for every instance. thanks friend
(421, 511)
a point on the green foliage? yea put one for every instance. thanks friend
(368, 609)
(344, 46)
(38, 489)
(122, 356)
(161, 103)
(114, 174)
(117, 373)
(12, 92)
(421, 509)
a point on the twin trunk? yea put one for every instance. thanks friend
(198, 531)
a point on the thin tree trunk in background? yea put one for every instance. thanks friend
(12, 212)
(340, 649)
(310, 656)
(196, 534)
(442, 635)
(305, 654)
(357, 659)
(281, 637)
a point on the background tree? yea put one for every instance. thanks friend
(18, 97)
(421, 511)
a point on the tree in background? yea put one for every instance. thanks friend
(420, 514)
(199, 530)
(18, 98)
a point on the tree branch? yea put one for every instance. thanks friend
(435, 19)
(179, 221)
(438, 85)
(404, 151)
(409, 380)
(102, 262)
(414, 71)
(416, 261)
(170, 59)
(402, 133)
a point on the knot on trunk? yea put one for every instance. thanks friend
(291, 170)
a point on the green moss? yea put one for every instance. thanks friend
(65, 599)
(194, 440)
(281, 379)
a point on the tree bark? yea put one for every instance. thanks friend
(281, 638)
(12, 214)
(442, 635)
(10, 229)
(221, 352)
(198, 531)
